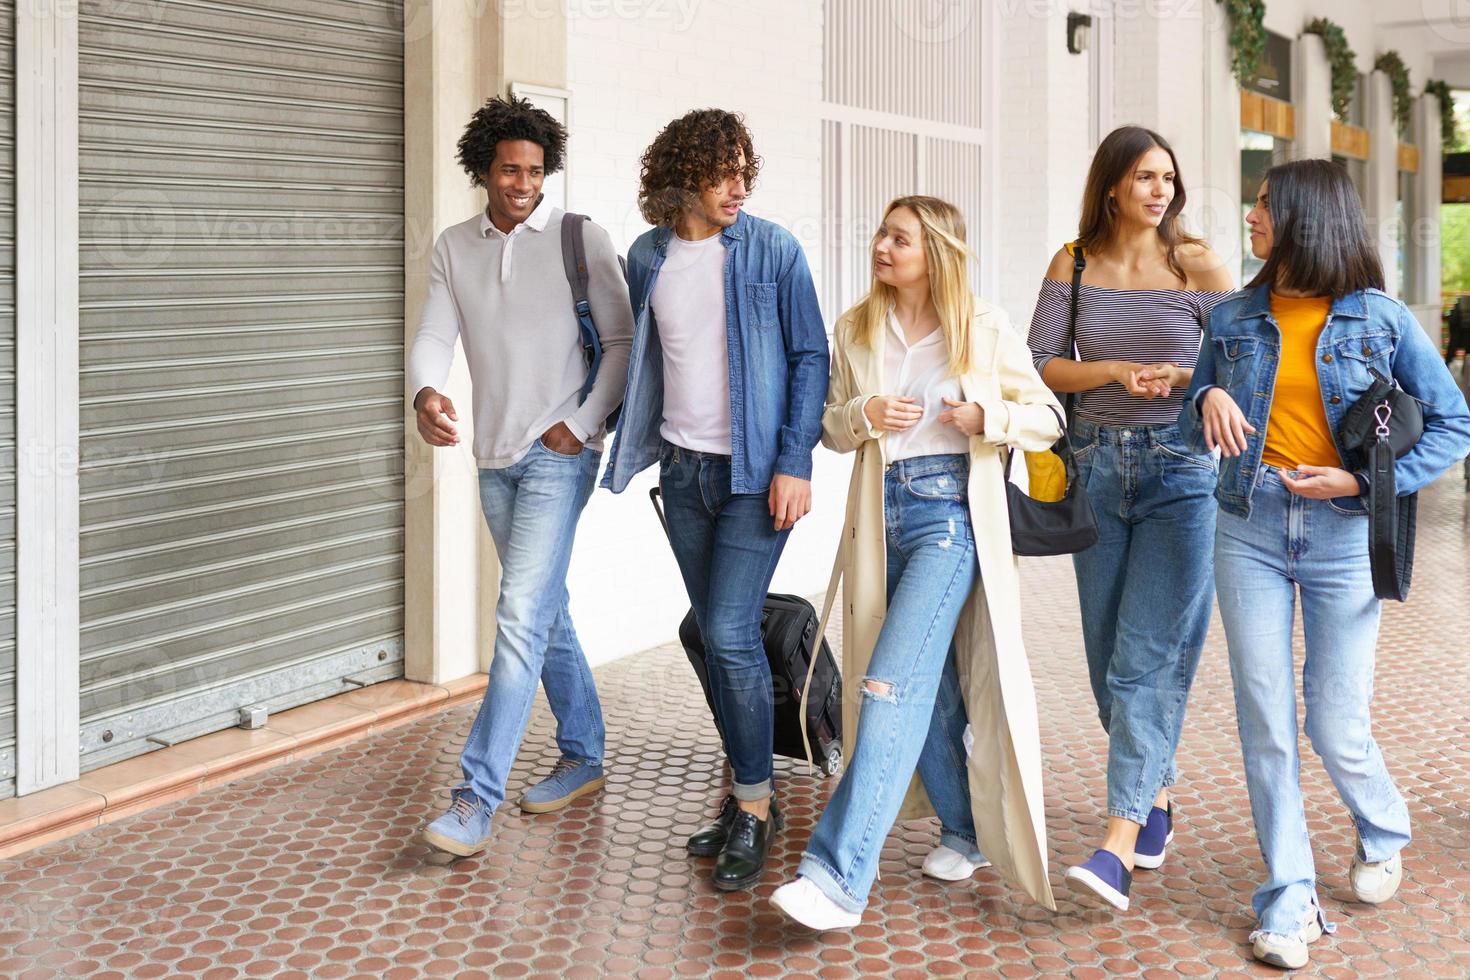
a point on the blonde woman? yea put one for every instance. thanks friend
(929, 387)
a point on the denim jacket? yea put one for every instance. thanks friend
(777, 347)
(1240, 353)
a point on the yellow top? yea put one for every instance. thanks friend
(1297, 432)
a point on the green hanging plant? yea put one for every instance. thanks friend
(1342, 60)
(1441, 91)
(1398, 75)
(1247, 36)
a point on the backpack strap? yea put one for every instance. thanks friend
(574, 259)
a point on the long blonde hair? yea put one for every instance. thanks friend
(947, 252)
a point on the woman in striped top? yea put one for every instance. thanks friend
(1146, 586)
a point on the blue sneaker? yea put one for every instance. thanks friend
(1156, 835)
(569, 779)
(1102, 876)
(465, 827)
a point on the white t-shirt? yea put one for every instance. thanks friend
(921, 372)
(689, 308)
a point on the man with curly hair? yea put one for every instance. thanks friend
(498, 284)
(725, 391)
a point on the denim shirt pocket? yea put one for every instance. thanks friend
(1234, 360)
(760, 299)
(1356, 355)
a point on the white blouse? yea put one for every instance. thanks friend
(922, 373)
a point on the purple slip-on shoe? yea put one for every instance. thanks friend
(1156, 835)
(1102, 876)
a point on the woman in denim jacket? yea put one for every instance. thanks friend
(1281, 363)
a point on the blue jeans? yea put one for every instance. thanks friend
(913, 713)
(727, 549)
(1291, 544)
(532, 509)
(1145, 590)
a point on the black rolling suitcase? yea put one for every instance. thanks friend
(789, 629)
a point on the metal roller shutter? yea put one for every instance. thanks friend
(7, 399)
(241, 360)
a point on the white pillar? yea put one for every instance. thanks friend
(1383, 173)
(46, 394)
(1217, 204)
(443, 526)
(456, 55)
(1424, 230)
(1312, 96)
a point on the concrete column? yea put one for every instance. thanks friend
(456, 55)
(1424, 231)
(48, 411)
(443, 527)
(1312, 96)
(524, 43)
(1381, 199)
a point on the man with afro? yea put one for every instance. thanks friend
(498, 284)
(725, 391)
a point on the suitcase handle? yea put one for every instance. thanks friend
(653, 496)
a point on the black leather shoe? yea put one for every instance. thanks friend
(710, 840)
(743, 860)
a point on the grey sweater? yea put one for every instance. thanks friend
(507, 299)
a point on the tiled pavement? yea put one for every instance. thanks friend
(314, 870)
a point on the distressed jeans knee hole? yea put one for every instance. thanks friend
(877, 690)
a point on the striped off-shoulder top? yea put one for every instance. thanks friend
(1149, 326)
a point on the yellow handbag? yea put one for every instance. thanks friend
(1047, 475)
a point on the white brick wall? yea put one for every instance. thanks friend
(1044, 149)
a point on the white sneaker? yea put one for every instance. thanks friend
(805, 903)
(1376, 882)
(1287, 952)
(948, 864)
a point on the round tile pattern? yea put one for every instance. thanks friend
(314, 869)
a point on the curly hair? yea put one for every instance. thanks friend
(690, 155)
(509, 119)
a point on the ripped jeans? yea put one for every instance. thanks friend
(912, 716)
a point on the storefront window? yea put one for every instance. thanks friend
(1259, 152)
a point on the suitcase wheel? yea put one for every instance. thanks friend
(832, 764)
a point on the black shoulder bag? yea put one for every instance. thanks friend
(1060, 527)
(1383, 425)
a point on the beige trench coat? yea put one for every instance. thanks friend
(1005, 762)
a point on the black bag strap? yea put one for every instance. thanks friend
(1391, 521)
(1383, 519)
(1079, 263)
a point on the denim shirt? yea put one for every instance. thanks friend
(777, 347)
(1240, 353)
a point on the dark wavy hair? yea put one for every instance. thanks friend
(509, 119)
(1116, 156)
(1319, 240)
(690, 155)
